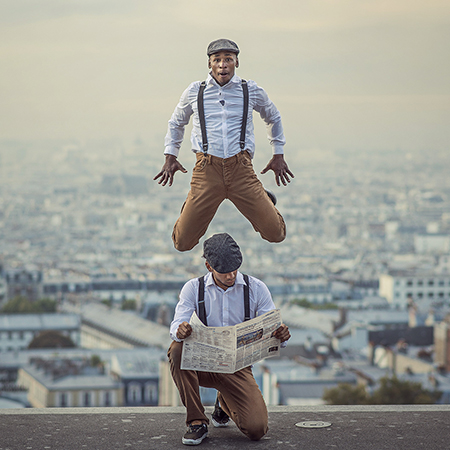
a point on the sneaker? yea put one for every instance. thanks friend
(271, 196)
(219, 417)
(195, 434)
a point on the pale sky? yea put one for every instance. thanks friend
(359, 74)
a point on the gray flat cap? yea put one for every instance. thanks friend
(222, 45)
(222, 253)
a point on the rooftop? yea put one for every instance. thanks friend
(344, 427)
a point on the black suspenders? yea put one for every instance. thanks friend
(201, 300)
(201, 115)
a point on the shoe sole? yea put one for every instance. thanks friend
(219, 424)
(194, 441)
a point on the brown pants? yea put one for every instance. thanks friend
(215, 179)
(239, 395)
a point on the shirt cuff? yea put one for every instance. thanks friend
(174, 338)
(278, 149)
(172, 151)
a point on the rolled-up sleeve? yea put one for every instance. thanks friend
(185, 307)
(177, 123)
(272, 118)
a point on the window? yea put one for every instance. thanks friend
(151, 393)
(441, 282)
(430, 282)
(419, 282)
(86, 399)
(441, 294)
(420, 294)
(431, 294)
(107, 399)
(63, 399)
(409, 283)
(134, 393)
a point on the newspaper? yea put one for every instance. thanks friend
(229, 349)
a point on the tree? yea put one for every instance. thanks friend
(46, 305)
(95, 360)
(51, 339)
(18, 305)
(21, 305)
(392, 391)
(346, 394)
(129, 305)
(304, 303)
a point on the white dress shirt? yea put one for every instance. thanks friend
(223, 308)
(223, 115)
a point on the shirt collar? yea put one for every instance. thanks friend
(209, 281)
(235, 80)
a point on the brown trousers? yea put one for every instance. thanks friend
(239, 395)
(215, 179)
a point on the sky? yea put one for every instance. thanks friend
(356, 74)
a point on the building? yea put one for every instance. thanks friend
(24, 283)
(442, 345)
(18, 330)
(432, 243)
(106, 328)
(400, 287)
(138, 371)
(60, 382)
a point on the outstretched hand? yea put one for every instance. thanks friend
(171, 165)
(280, 168)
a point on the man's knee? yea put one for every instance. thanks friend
(276, 234)
(257, 429)
(182, 245)
(174, 353)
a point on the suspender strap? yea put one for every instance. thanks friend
(201, 300)
(244, 115)
(246, 298)
(201, 116)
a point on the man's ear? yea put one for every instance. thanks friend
(209, 63)
(208, 266)
(237, 62)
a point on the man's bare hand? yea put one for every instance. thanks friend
(184, 331)
(282, 333)
(171, 165)
(280, 168)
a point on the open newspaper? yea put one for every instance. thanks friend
(229, 349)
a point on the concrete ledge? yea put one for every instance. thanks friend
(404, 427)
(271, 409)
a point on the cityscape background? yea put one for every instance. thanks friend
(87, 89)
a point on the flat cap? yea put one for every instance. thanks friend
(222, 253)
(222, 45)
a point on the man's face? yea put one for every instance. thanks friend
(223, 280)
(223, 66)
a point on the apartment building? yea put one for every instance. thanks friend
(59, 382)
(399, 287)
(18, 330)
